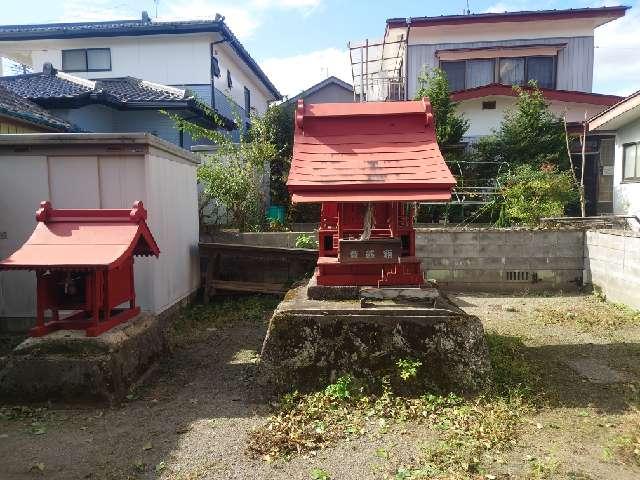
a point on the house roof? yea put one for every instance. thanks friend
(601, 15)
(53, 89)
(371, 151)
(618, 115)
(21, 109)
(142, 27)
(83, 239)
(549, 94)
(332, 80)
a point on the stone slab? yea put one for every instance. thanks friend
(311, 342)
(66, 365)
(595, 370)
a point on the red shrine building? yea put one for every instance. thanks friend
(83, 260)
(367, 164)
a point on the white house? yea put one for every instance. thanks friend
(623, 120)
(484, 55)
(201, 55)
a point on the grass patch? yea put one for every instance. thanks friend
(589, 315)
(469, 428)
(194, 321)
(626, 447)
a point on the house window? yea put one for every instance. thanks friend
(519, 71)
(215, 67)
(464, 74)
(455, 72)
(229, 80)
(86, 60)
(512, 71)
(631, 163)
(247, 100)
(479, 73)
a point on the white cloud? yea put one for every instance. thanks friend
(617, 59)
(294, 74)
(244, 18)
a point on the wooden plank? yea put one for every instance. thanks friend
(258, 287)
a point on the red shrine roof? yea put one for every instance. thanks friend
(371, 151)
(84, 239)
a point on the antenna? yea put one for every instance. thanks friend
(156, 2)
(468, 12)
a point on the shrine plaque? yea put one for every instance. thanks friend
(375, 250)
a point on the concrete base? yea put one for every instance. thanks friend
(67, 365)
(311, 342)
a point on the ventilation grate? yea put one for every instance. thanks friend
(518, 276)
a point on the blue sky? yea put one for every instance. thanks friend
(299, 41)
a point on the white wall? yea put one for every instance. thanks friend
(484, 121)
(626, 196)
(167, 59)
(166, 185)
(241, 76)
(477, 32)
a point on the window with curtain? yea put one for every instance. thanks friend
(455, 72)
(86, 60)
(512, 71)
(479, 73)
(631, 163)
(98, 59)
(541, 69)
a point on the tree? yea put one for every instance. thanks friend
(529, 193)
(232, 175)
(529, 134)
(450, 127)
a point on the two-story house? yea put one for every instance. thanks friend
(202, 56)
(484, 55)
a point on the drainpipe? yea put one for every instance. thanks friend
(406, 61)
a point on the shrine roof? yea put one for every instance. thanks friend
(84, 239)
(371, 151)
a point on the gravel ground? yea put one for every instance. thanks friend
(191, 417)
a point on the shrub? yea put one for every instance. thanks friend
(306, 240)
(530, 193)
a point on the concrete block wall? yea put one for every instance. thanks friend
(264, 239)
(612, 263)
(502, 260)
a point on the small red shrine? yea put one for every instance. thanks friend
(83, 261)
(367, 164)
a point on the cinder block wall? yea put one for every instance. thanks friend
(502, 260)
(612, 263)
(482, 259)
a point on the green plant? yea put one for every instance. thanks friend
(529, 134)
(306, 240)
(530, 193)
(232, 175)
(341, 389)
(450, 127)
(320, 474)
(408, 368)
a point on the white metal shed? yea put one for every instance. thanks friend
(102, 170)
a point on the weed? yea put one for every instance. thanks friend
(306, 240)
(543, 468)
(193, 321)
(626, 447)
(591, 315)
(320, 474)
(408, 368)
(341, 390)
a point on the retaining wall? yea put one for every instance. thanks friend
(502, 260)
(612, 263)
(480, 259)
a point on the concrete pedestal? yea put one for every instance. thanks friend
(66, 365)
(311, 342)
